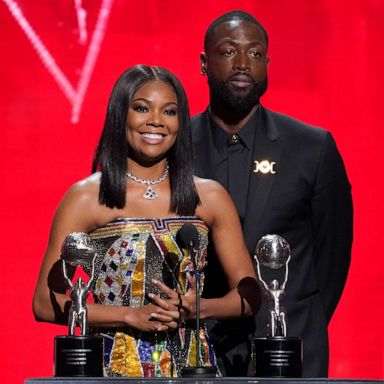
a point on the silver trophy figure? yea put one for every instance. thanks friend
(78, 250)
(273, 252)
(78, 355)
(275, 355)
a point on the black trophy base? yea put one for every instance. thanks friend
(277, 357)
(199, 372)
(79, 356)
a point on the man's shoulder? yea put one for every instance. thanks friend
(200, 119)
(290, 126)
(280, 123)
(200, 127)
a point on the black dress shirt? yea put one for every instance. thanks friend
(233, 161)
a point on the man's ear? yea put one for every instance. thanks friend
(203, 63)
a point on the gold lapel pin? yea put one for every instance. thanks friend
(264, 166)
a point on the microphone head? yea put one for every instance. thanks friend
(187, 235)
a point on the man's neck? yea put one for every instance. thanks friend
(230, 122)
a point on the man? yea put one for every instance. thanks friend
(286, 178)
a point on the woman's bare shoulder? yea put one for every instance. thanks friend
(214, 199)
(81, 201)
(211, 192)
(208, 186)
(85, 189)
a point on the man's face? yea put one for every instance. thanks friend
(236, 64)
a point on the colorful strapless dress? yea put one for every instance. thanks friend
(130, 253)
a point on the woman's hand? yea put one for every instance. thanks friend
(151, 318)
(179, 307)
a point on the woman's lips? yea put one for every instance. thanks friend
(152, 138)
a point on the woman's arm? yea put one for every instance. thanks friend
(244, 297)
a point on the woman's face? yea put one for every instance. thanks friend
(152, 121)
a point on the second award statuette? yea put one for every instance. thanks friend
(78, 355)
(275, 355)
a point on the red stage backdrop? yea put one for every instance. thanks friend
(59, 62)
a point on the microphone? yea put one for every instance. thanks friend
(187, 237)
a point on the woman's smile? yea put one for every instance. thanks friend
(152, 138)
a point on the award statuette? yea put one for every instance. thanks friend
(78, 355)
(275, 355)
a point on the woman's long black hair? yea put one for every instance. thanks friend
(112, 151)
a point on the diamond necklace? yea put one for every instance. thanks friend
(150, 194)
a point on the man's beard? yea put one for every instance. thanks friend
(237, 102)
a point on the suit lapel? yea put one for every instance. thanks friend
(267, 146)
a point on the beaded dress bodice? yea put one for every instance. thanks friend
(130, 253)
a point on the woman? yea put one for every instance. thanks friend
(141, 193)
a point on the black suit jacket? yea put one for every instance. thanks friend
(308, 202)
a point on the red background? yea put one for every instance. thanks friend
(326, 68)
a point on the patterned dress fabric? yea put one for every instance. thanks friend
(130, 253)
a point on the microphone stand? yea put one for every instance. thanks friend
(198, 371)
(197, 278)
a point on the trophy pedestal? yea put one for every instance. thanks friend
(79, 356)
(199, 372)
(276, 357)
